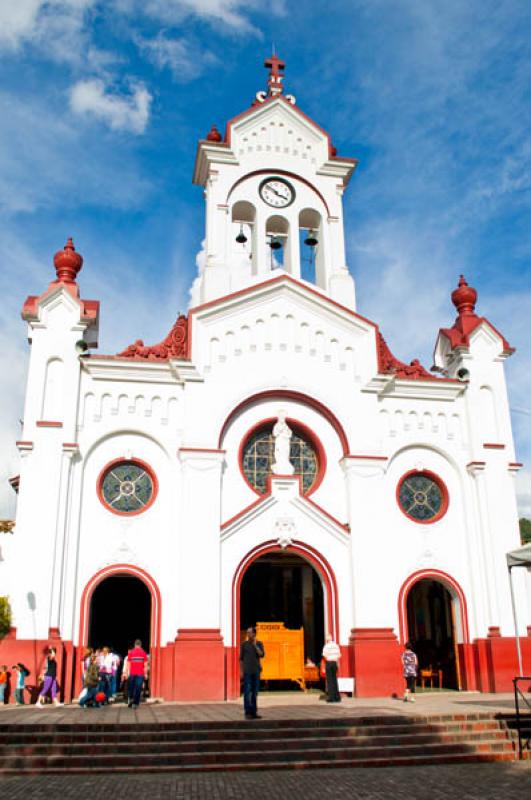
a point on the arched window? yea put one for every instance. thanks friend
(310, 239)
(243, 236)
(258, 455)
(277, 233)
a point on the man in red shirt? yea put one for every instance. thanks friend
(137, 660)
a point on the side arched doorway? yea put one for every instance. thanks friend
(433, 612)
(119, 604)
(293, 586)
(120, 612)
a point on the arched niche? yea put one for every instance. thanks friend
(53, 397)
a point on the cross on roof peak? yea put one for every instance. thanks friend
(276, 66)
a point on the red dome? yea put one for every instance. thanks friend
(214, 135)
(464, 297)
(67, 263)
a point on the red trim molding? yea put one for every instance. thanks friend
(369, 458)
(44, 423)
(297, 397)
(201, 450)
(493, 446)
(115, 463)
(442, 486)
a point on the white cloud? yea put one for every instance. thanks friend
(55, 26)
(119, 111)
(233, 14)
(183, 58)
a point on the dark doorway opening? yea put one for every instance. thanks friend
(431, 627)
(281, 587)
(120, 612)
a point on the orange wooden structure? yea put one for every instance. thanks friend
(284, 652)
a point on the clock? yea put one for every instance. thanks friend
(276, 192)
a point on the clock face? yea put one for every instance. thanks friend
(277, 192)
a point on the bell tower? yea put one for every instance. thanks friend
(274, 189)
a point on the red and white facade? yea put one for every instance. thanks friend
(259, 339)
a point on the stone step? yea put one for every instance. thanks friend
(256, 729)
(301, 763)
(303, 723)
(94, 744)
(103, 760)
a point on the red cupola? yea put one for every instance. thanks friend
(67, 263)
(464, 298)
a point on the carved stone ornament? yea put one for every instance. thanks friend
(175, 345)
(285, 529)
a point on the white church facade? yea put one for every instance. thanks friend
(270, 460)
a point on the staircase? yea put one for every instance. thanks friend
(247, 745)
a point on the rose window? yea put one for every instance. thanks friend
(259, 456)
(127, 487)
(422, 497)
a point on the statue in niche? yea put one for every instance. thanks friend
(282, 436)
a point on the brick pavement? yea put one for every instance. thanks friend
(464, 782)
(273, 705)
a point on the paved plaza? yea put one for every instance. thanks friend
(273, 705)
(460, 782)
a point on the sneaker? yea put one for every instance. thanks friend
(411, 699)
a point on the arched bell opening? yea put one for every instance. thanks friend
(277, 242)
(243, 234)
(311, 246)
(433, 627)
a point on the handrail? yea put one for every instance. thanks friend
(517, 695)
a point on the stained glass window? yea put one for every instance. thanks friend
(421, 497)
(127, 487)
(259, 452)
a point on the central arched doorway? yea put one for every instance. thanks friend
(284, 587)
(431, 624)
(120, 612)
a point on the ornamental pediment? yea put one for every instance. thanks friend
(278, 128)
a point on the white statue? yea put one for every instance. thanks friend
(282, 436)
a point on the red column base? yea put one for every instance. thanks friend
(375, 661)
(497, 661)
(198, 665)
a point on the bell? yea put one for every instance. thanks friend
(241, 237)
(310, 240)
(274, 244)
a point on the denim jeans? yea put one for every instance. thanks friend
(2, 692)
(251, 684)
(90, 694)
(19, 697)
(134, 688)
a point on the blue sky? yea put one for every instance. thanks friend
(102, 103)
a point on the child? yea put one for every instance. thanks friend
(3, 683)
(410, 664)
(91, 683)
(22, 674)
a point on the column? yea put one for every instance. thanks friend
(199, 656)
(374, 650)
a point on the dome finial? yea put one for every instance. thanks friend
(464, 297)
(214, 135)
(67, 263)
